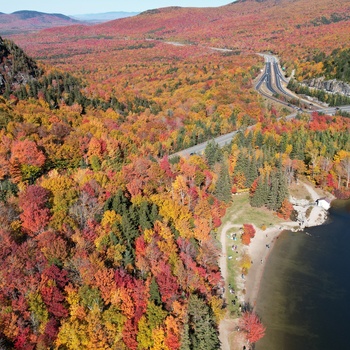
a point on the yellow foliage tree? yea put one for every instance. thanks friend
(245, 263)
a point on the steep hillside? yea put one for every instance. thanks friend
(28, 21)
(16, 68)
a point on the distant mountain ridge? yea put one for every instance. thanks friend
(285, 27)
(28, 21)
(25, 14)
(103, 17)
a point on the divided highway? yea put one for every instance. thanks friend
(269, 84)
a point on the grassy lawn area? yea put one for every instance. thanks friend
(232, 269)
(241, 213)
(238, 214)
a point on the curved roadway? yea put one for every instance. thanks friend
(269, 84)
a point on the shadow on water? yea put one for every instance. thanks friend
(304, 300)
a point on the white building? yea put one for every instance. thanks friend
(325, 203)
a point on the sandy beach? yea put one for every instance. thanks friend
(263, 242)
(259, 250)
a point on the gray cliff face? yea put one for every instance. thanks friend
(332, 86)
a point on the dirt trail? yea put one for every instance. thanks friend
(227, 325)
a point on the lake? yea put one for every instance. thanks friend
(304, 299)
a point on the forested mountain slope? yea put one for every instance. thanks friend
(282, 26)
(105, 242)
(16, 67)
(295, 30)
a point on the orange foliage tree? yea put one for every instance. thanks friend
(248, 233)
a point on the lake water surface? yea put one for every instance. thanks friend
(304, 300)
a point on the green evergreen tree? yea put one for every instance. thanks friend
(120, 203)
(130, 225)
(242, 163)
(213, 153)
(154, 292)
(271, 203)
(154, 215)
(223, 185)
(261, 192)
(259, 139)
(203, 331)
(185, 338)
(207, 337)
(240, 140)
(144, 216)
(282, 192)
(128, 257)
(251, 172)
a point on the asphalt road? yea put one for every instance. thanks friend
(272, 80)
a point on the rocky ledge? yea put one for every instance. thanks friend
(308, 213)
(333, 86)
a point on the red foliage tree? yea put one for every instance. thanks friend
(165, 165)
(140, 297)
(21, 341)
(53, 299)
(53, 283)
(26, 160)
(51, 329)
(252, 326)
(35, 215)
(129, 334)
(167, 283)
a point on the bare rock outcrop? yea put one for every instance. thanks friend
(308, 213)
(332, 86)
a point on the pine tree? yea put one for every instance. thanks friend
(128, 258)
(154, 215)
(120, 203)
(251, 171)
(207, 337)
(259, 197)
(154, 292)
(185, 338)
(272, 196)
(259, 139)
(242, 165)
(203, 332)
(223, 185)
(282, 192)
(130, 224)
(213, 153)
(144, 216)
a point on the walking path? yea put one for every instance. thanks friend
(258, 250)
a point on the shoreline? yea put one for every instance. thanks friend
(263, 242)
(259, 251)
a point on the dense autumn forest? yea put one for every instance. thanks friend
(109, 242)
